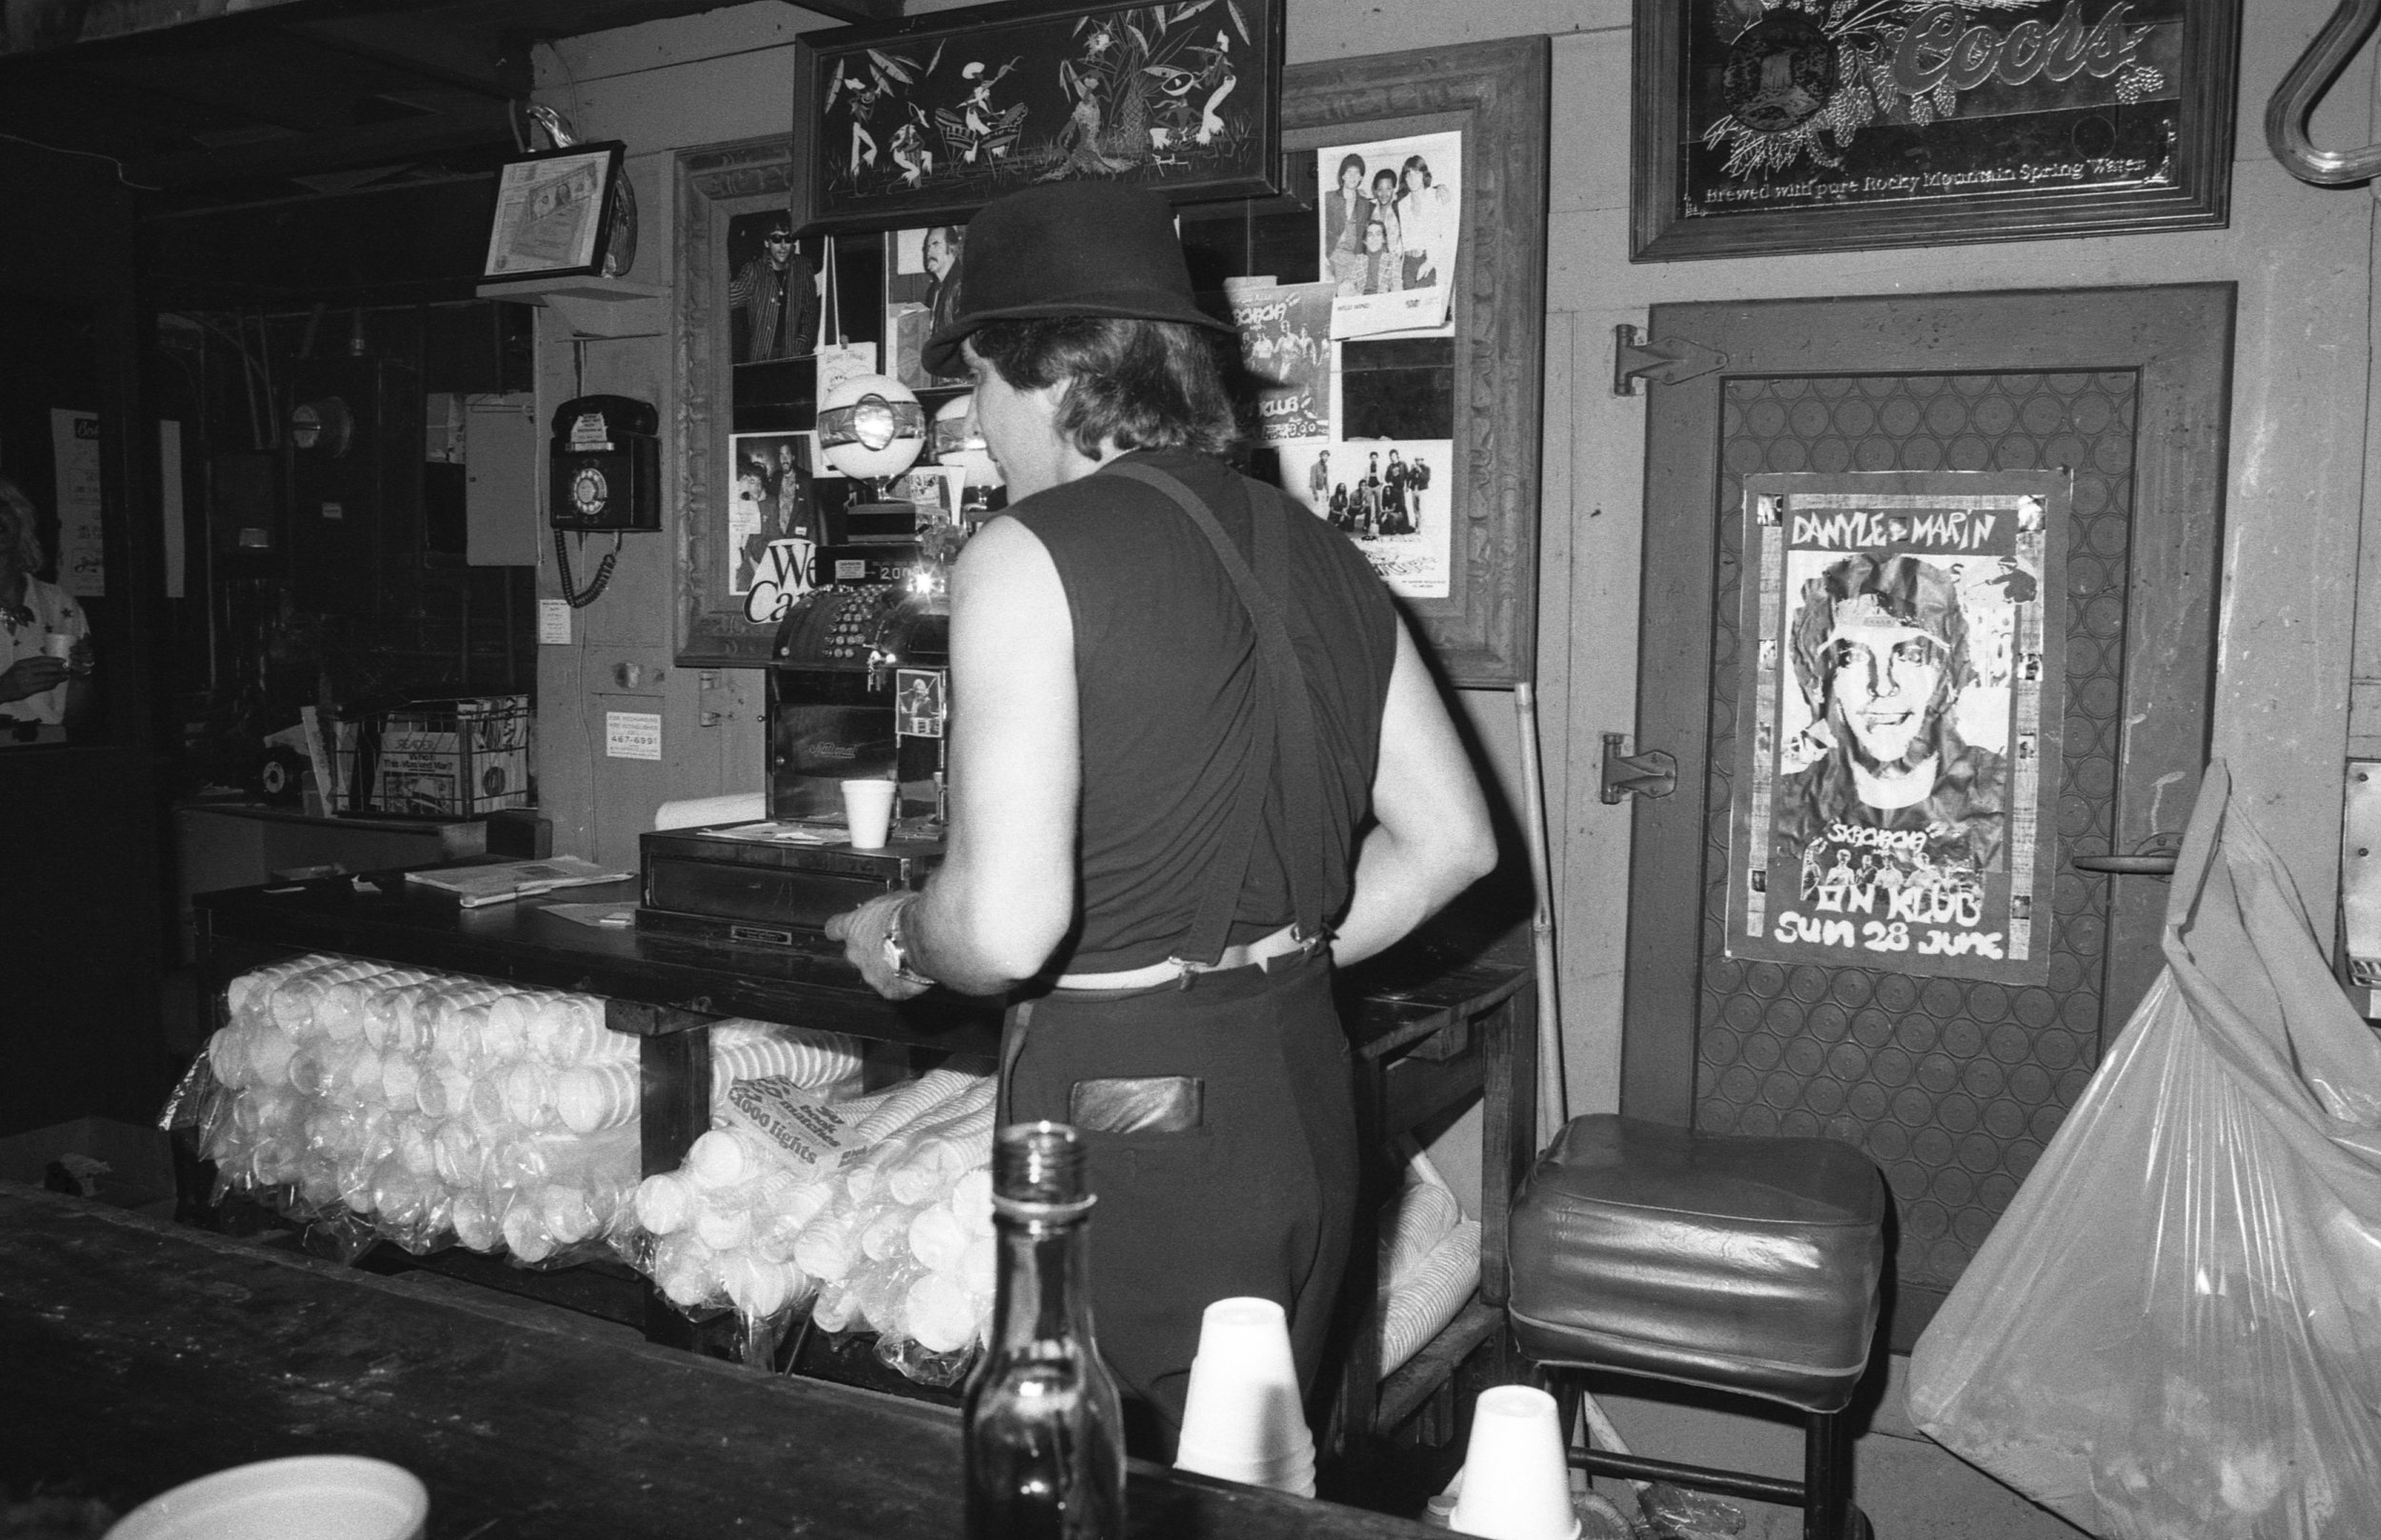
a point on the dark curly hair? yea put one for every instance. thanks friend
(1143, 385)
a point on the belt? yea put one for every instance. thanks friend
(1282, 943)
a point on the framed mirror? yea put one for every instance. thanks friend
(731, 198)
(1434, 427)
(1423, 439)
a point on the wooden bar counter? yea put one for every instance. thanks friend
(1442, 1018)
(135, 1355)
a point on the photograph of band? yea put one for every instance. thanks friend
(1389, 230)
(1890, 792)
(1390, 496)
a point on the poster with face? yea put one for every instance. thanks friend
(921, 291)
(1390, 496)
(772, 288)
(1388, 230)
(1902, 640)
(769, 507)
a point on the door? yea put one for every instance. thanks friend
(1950, 1071)
(81, 909)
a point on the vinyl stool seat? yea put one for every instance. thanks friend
(1742, 1264)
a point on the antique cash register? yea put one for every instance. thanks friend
(858, 687)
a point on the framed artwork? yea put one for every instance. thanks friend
(916, 122)
(1776, 126)
(762, 315)
(1421, 441)
(741, 465)
(1897, 708)
(1451, 412)
(553, 214)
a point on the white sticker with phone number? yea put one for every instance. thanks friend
(631, 736)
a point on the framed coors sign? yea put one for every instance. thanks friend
(1775, 125)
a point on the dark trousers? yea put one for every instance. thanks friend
(1258, 1200)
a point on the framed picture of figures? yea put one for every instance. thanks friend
(912, 123)
(749, 311)
(1391, 308)
(1899, 721)
(1775, 125)
(766, 319)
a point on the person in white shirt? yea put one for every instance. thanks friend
(1425, 217)
(45, 646)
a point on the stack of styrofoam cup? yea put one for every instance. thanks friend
(1243, 1420)
(1516, 1478)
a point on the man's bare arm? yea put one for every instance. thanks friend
(1431, 839)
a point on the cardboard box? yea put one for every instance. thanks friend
(122, 1164)
(449, 758)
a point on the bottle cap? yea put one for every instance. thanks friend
(1037, 1171)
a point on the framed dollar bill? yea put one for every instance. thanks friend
(1820, 125)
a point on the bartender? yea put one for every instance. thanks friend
(1181, 792)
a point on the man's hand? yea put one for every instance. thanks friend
(31, 676)
(863, 932)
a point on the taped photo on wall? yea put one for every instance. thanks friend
(1392, 497)
(1389, 232)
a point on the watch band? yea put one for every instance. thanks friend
(897, 952)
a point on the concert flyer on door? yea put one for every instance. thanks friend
(1899, 709)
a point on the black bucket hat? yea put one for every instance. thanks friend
(1095, 249)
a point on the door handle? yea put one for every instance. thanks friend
(1653, 774)
(2152, 857)
(2293, 102)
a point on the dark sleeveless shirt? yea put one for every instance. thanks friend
(1167, 675)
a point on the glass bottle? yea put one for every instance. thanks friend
(1044, 1428)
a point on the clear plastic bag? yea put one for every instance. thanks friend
(2175, 1334)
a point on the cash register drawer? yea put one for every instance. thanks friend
(762, 905)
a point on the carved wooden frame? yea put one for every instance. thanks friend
(1484, 632)
(715, 183)
(2196, 194)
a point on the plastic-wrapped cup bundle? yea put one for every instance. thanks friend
(939, 1313)
(589, 1098)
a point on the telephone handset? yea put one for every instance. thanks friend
(606, 474)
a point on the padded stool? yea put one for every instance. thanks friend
(1746, 1265)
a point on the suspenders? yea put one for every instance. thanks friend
(1284, 727)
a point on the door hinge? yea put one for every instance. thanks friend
(1668, 361)
(1653, 774)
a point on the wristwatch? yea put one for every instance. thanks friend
(896, 954)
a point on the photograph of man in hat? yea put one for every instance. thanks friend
(1881, 654)
(775, 297)
(1196, 762)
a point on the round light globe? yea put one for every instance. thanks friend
(872, 425)
(959, 441)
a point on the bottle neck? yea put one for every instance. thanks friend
(1045, 1289)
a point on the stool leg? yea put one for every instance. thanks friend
(1826, 1477)
(1566, 1389)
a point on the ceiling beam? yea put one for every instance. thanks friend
(855, 13)
(376, 144)
(447, 56)
(34, 26)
